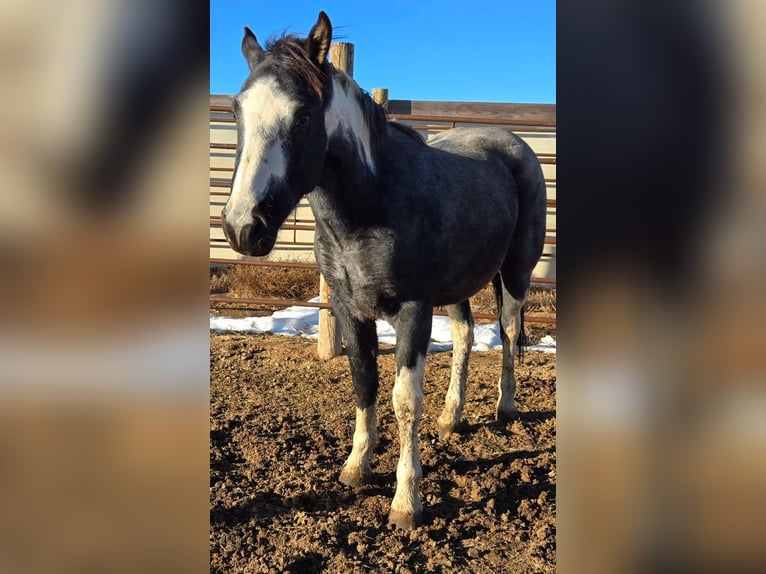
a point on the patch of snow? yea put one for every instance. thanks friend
(304, 321)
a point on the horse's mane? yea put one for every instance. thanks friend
(407, 130)
(290, 51)
(375, 117)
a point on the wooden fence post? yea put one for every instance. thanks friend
(342, 56)
(329, 344)
(380, 95)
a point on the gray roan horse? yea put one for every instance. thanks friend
(401, 226)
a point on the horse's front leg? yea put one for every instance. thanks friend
(361, 341)
(413, 333)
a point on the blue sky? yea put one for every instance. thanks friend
(486, 51)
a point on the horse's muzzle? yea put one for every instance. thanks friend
(254, 239)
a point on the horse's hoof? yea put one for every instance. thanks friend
(507, 415)
(355, 477)
(404, 520)
(444, 429)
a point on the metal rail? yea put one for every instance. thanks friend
(545, 318)
(295, 224)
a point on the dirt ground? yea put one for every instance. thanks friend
(281, 427)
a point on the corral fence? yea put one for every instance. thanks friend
(535, 123)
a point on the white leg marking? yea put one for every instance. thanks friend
(506, 405)
(357, 467)
(406, 508)
(462, 337)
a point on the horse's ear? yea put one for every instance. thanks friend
(251, 50)
(318, 41)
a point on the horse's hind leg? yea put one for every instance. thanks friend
(361, 341)
(509, 309)
(461, 328)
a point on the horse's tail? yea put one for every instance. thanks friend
(521, 341)
(528, 237)
(529, 233)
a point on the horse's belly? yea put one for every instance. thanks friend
(371, 277)
(468, 261)
(457, 287)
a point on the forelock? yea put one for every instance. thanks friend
(289, 53)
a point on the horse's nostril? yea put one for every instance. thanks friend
(262, 243)
(244, 234)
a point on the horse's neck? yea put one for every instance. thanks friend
(345, 120)
(346, 197)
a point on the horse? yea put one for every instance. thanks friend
(401, 226)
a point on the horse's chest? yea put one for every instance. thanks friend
(360, 274)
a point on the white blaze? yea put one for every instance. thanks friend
(264, 108)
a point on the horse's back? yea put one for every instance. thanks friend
(492, 146)
(453, 205)
(503, 157)
(478, 143)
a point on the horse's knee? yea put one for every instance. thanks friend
(408, 404)
(462, 335)
(408, 393)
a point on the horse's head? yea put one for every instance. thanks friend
(281, 135)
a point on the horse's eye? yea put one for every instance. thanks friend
(302, 120)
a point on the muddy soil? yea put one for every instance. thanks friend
(281, 427)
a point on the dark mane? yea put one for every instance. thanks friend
(290, 52)
(407, 130)
(376, 119)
